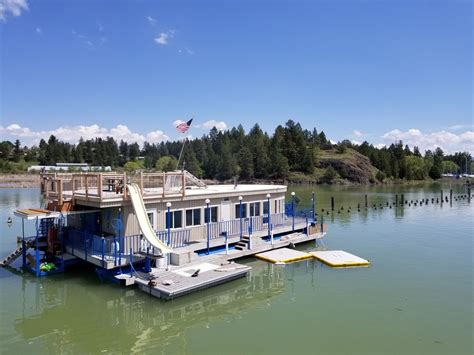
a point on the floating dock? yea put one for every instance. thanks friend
(284, 255)
(339, 258)
(171, 284)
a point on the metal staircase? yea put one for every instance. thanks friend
(16, 253)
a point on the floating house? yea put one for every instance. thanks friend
(169, 233)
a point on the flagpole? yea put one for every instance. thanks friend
(183, 127)
(180, 154)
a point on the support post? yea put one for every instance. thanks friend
(115, 251)
(37, 255)
(87, 186)
(119, 236)
(103, 251)
(366, 203)
(268, 211)
(271, 234)
(131, 262)
(332, 203)
(250, 236)
(147, 260)
(240, 216)
(208, 215)
(293, 211)
(396, 200)
(226, 243)
(168, 222)
(99, 185)
(313, 202)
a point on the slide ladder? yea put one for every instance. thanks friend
(15, 254)
(143, 221)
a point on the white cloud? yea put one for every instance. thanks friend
(162, 39)
(39, 30)
(156, 136)
(458, 127)
(220, 125)
(448, 141)
(357, 133)
(12, 7)
(151, 20)
(72, 134)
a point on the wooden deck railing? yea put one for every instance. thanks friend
(102, 186)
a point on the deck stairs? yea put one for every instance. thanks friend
(243, 244)
(16, 253)
(191, 178)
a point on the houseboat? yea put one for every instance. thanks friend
(169, 233)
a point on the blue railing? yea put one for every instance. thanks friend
(257, 223)
(302, 211)
(97, 245)
(178, 238)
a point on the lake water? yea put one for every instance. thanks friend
(416, 298)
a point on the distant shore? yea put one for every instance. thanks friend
(19, 180)
(33, 180)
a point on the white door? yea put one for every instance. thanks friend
(225, 211)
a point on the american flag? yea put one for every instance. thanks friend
(184, 126)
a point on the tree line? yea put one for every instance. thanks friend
(224, 154)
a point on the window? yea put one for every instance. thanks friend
(265, 207)
(193, 217)
(213, 211)
(176, 219)
(244, 210)
(254, 209)
(152, 218)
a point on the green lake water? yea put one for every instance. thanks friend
(415, 298)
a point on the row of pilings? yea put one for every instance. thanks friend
(400, 201)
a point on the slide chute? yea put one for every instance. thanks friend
(143, 221)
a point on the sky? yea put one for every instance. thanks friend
(372, 70)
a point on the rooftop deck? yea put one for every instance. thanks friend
(110, 189)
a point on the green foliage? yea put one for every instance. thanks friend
(416, 168)
(380, 176)
(131, 166)
(450, 167)
(166, 163)
(329, 175)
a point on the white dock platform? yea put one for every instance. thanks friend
(339, 258)
(284, 255)
(175, 283)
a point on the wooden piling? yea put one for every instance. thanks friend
(332, 203)
(396, 200)
(366, 201)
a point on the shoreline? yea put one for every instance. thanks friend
(11, 181)
(33, 180)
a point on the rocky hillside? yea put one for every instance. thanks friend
(336, 167)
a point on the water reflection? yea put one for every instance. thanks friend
(83, 314)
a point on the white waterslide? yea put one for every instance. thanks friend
(143, 221)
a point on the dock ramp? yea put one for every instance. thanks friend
(143, 221)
